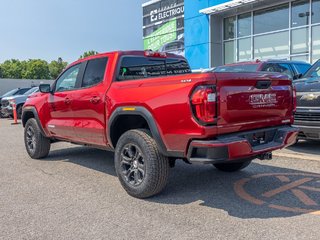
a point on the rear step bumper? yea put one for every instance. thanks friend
(242, 145)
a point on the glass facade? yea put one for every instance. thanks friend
(244, 46)
(274, 45)
(286, 31)
(230, 51)
(271, 19)
(315, 43)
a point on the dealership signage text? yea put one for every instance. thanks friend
(166, 12)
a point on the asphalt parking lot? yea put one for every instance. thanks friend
(74, 194)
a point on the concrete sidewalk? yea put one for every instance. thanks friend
(306, 150)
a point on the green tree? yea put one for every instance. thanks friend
(36, 69)
(56, 67)
(13, 68)
(88, 53)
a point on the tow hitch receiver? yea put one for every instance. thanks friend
(265, 156)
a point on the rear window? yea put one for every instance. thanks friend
(94, 73)
(132, 67)
(238, 68)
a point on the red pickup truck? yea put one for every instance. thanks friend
(150, 110)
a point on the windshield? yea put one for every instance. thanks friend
(314, 71)
(238, 68)
(9, 93)
(32, 90)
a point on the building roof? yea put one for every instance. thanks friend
(236, 6)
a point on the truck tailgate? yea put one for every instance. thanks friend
(253, 100)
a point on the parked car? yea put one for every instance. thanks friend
(13, 92)
(176, 47)
(307, 116)
(294, 69)
(151, 110)
(19, 100)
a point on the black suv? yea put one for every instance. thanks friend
(307, 117)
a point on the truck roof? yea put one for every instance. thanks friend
(123, 53)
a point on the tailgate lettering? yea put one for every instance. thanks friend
(263, 100)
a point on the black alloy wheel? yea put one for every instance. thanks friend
(37, 145)
(132, 164)
(142, 170)
(30, 139)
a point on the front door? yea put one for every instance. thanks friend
(61, 123)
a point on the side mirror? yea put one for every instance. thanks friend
(295, 77)
(45, 88)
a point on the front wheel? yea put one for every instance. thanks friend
(142, 170)
(37, 145)
(232, 167)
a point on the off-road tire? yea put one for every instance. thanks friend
(156, 166)
(232, 167)
(37, 145)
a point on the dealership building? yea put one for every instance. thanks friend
(214, 32)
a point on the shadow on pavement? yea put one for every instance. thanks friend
(306, 146)
(259, 191)
(95, 159)
(214, 189)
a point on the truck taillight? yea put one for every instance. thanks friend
(203, 102)
(150, 53)
(294, 98)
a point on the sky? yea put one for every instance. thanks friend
(49, 29)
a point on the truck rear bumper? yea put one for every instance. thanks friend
(242, 145)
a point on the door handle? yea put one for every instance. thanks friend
(67, 100)
(95, 100)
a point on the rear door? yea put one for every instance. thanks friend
(61, 123)
(88, 104)
(249, 101)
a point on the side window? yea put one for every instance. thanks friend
(68, 79)
(282, 68)
(94, 73)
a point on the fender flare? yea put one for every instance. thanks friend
(143, 112)
(33, 110)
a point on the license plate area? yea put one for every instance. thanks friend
(260, 138)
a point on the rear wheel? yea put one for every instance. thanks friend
(37, 145)
(232, 167)
(142, 170)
